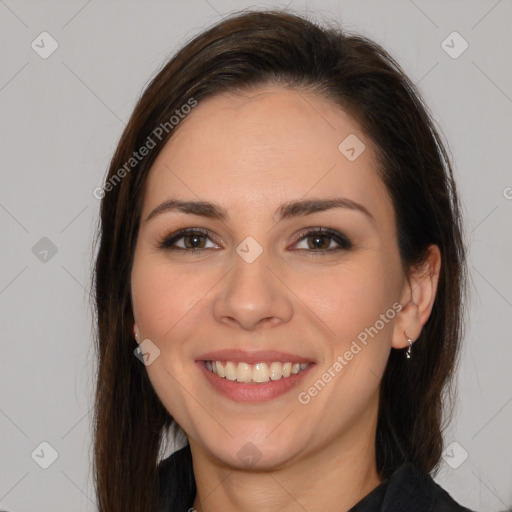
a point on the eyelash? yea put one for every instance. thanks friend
(343, 242)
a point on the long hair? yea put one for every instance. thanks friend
(244, 51)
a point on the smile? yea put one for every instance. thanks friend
(255, 373)
(251, 383)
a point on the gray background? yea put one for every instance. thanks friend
(60, 120)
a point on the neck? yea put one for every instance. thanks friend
(334, 477)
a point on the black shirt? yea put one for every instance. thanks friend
(407, 490)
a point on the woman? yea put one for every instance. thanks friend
(281, 248)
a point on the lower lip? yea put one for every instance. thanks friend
(258, 392)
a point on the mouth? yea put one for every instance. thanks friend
(253, 382)
(254, 373)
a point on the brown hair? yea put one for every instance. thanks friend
(243, 51)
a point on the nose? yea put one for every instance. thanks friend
(252, 295)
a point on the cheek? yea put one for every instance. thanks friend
(354, 303)
(166, 298)
(351, 297)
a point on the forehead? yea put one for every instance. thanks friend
(263, 147)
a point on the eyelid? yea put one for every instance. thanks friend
(344, 243)
(167, 240)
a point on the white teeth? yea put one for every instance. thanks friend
(259, 372)
(230, 370)
(243, 373)
(220, 369)
(276, 371)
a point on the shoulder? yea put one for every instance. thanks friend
(408, 489)
(411, 487)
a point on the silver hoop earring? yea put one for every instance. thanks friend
(408, 352)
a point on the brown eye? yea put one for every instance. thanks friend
(317, 241)
(193, 240)
(320, 240)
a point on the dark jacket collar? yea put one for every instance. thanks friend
(407, 490)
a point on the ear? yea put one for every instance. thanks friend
(417, 298)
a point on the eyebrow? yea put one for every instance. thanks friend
(287, 210)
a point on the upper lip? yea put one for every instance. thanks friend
(252, 357)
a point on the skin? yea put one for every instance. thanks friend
(250, 153)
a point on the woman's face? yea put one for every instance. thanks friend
(258, 285)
